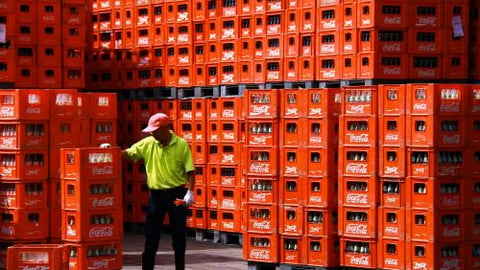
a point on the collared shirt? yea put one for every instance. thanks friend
(166, 166)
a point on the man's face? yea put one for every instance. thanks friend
(161, 132)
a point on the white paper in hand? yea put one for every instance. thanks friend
(188, 199)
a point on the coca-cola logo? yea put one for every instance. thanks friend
(392, 20)
(328, 74)
(187, 115)
(101, 232)
(396, 47)
(228, 113)
(291, 111)
(451, 264)
(390, 261)
(7, 171)
(391, 230)
(360, 138)
(357, 229)
(259, 110)
(453, 232)
(360, 260)
(103, 202)
(328, 49)
(392, 71)
(420, 106)
(291, 228)
(261, 225)
(228, 136)
(419, 170)
(105, 170)
(427, 47)
(8, 142)
(259, 140)
(261, 254)
(259, 168)
(450, 107)
(314, 229)
(391, 170)
(101, 264)
(429, 73)
(356, 168)
(315, 111)
(391, 137)
(259, 196)
(316, 140)
(275, 6)
(315, 199)
(228, 204)
(450, 201)
(424, 21)
(291, 170)
(38, 267)
(419, 265)
(356, 109)
(7, 201)
(355, 198)
(7, 230)
(448, 171)
(329, 24)
(228, 158)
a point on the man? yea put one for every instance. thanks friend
(168, 165)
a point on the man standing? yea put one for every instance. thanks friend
(169, 166)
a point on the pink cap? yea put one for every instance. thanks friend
(157, 120)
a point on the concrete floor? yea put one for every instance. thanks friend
(201, 254)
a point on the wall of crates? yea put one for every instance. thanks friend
(56, 185)
(362, 176)
(143, 43)
(43, 43)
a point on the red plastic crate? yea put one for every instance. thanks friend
(63, 103)
(292, 190)
(323, 251)
(108, 255)
(262, 218)
(428, 194)
(228, 152)
(321, 192)
(391, 254)
(24, 105)
(391, 131)
(392, 162)
(291, 220)
(328, 18)
(435, 255)
(291, 133)
(262, 161)
(90, 162)
(357, 222)
(358, 131)
(440, 163)
(212, 197)
(24, 195)
(263, 133)
(293, 163)
(358, 192)
(426, 15)
(393, 192)
(431, 131)
(471, 254)
(358, 162)
(472, 224)
(472, 198)
(98, 225)
(355, 252)
(24, 135)
(103, 131)
(262, 190)
(37, 256)
(212, 219)
(372, 14)
(92, 195)
(359, 100)
(292, 249)
(24, 224)
(321, 162)
(321, 222)
(382, 66)
(423, 41)
(229, 198)
(24, 164)
(447, 225)
(391, 223)
(261, 247)
(382, 41)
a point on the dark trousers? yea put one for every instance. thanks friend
(161, 202)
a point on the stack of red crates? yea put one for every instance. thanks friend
(223, 182)
(308, 177)
(436, 223)
(24, 135)
(91, 221)
(44, 43)
(261, 159)
(357, 167)
(392, 184)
